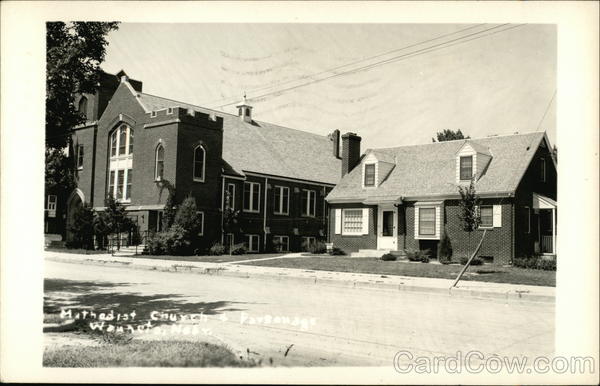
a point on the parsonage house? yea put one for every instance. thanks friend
(292, 187)
(406, 197)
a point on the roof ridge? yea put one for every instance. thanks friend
(455, 140)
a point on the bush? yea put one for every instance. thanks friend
(444, 249)
(317, 248)
(335, 251)
(475, 261)
(389, 257)
(418, 255)
(217, 249)
(238, 249)
(157, 245)
(535, 262)
(82, 228)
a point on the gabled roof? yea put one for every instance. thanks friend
(479, 148)
(430, 170)
(265, 148)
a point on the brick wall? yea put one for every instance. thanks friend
(353, 243)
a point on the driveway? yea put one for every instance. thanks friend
(294, 324)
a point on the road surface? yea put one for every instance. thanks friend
(296, 324)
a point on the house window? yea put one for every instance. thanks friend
(230, 203)
(79, 156)
(159, 167)
(542, 169)
(281, 243)
(282, 200)
(152, 114)
(199, 158)
(466, 167)
(252, 243)
(170, 110)
(51, 205)
(251, 197)
(83, 106)
(121, 139)
(307, 242)
(487, 216)
(309, 202)
(370, 175)
(201, 221)
(427, 221)
(352, 221)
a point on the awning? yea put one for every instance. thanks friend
(543, 202)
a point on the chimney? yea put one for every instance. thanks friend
(335, 137)
(350, 152)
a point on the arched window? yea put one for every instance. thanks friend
(122, 139)
(199, 161)
(121, 163)
(83, 106)
(159, 167)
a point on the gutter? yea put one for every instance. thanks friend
(348, 200)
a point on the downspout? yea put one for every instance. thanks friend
(222, 206)
(93, 165)
(265, 215)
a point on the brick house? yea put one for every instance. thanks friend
(138, 146)
(405, 197)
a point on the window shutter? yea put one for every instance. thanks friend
(497, 216)
(416, 222)
(365, 221)
(438, 219)
(338, 221)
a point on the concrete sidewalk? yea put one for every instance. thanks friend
(501, 291)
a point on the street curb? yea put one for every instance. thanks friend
(516, 296)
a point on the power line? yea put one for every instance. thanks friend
(393, 59)
(352, 63)
(546, 112)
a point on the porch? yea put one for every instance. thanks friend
(545, 209)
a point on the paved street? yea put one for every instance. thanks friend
(336, 326)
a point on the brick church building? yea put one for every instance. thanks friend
(138, 146)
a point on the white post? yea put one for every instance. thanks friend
(554, 231)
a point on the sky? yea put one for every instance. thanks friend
(501, 82)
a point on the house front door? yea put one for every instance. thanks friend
(387, 227)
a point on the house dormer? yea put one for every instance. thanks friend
(375, 169)
(245, 110)
(472, 159)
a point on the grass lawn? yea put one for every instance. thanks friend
(76, 250)
(212, 259)
(144, 354)
(487, 273)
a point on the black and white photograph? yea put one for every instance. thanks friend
(327, 199)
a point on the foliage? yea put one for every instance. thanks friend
(317, 248)
(468, 213)
(335, 251)
(74, 51)
(188, 218)
(82, 228)
(170, 208)
(389, 257)
(59, 172)
(418, 255)
(230, 216)
(449, 135)
(217, 249)
(444, 251)
(475, 261)
(238, 249)
(102, 228)
(535, 262)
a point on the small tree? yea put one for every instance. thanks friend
(449, 135)
(170, 209)
(230, 218)
(186, 226)
(115, 217)
(83, 228)
(468, 204)
(445, 249)
(102, 228)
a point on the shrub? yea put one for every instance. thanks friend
(157, 245)
(335, 251)
(238, 249)
(475, 261)
(546, 265)
(418, 255)
(217, 249)
(389, 257)
(82, 228)
(535, 262)
(317, 248)
(444, 249)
